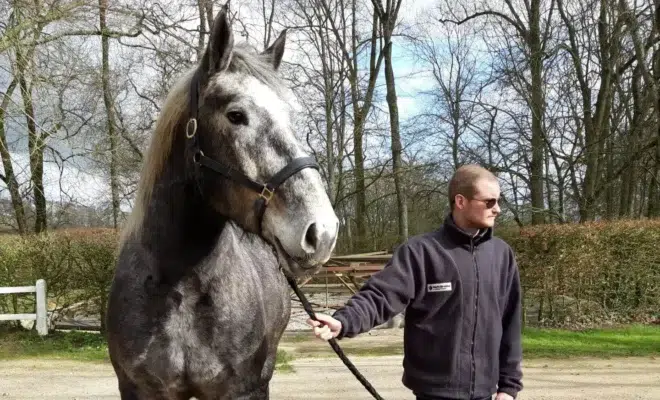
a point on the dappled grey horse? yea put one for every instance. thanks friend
(227, 202)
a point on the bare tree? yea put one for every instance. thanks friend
(388, 18)
(109, 109)
(534, 35)
(362, 99)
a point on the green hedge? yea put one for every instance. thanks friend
(76, 264)
(590, 274)
(573, 275)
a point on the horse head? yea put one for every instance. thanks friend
(255, 171)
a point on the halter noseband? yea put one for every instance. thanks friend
(265, 190)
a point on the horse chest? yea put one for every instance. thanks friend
(222, 323)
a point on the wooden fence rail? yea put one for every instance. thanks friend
(41, 314)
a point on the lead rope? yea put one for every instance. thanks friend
(332, 341)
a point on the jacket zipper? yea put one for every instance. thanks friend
(474, 327)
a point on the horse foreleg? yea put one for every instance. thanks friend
(261, 393)
(127, 389)
(128, 393)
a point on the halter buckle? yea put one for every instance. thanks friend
(266, 194)
(190, 132)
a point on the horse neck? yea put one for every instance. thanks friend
(179, 228)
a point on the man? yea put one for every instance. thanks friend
(460, 289)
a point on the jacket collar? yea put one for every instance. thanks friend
(462, 237)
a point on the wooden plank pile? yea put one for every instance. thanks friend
(345, 273)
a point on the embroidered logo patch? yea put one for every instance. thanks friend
(439, 287)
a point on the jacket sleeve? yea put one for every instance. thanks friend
(510, 379)
(384, 295)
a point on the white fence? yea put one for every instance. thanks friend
(41, 315)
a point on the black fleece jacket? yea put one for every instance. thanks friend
(461, 296)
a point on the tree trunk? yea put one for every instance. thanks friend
(35, 145)
(388, 19)
(653, 209)
(109, 109)
(339, 114)
(360, 119)
(538, 109)
(328, 98)
(654, 190)
(610, 206)
(640, 201)
(10, 177)
(360, 187)
(358, 130)
(268, 21)
(548, 187)
(629, 179)
(202, 28)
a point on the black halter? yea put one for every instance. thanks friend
(265, 190)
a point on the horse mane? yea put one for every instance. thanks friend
(245, 60)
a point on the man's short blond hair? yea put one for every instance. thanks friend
(464, 181)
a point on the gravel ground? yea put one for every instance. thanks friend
(621, 379)
(328, 378)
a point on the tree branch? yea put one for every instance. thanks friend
(508, 19)
(93, 32)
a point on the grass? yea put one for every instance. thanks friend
(283, 360)
(78, 346)
(635, 340)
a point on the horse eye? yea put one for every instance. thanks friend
(237, 118)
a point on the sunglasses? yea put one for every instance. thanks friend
(490, 203)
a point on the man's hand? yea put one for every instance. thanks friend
(326, 331)
(503, 396)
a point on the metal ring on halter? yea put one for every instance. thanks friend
(194, 128)
(198, 156)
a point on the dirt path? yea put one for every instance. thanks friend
(622, 379)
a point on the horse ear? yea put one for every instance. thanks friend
(275, 52)
(221, 43)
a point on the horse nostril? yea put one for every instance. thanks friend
(311, 237)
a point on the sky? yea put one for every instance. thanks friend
(70, 184)
(410, 76)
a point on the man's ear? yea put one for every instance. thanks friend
(221, 43)
(459, 201)
(275, 52)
